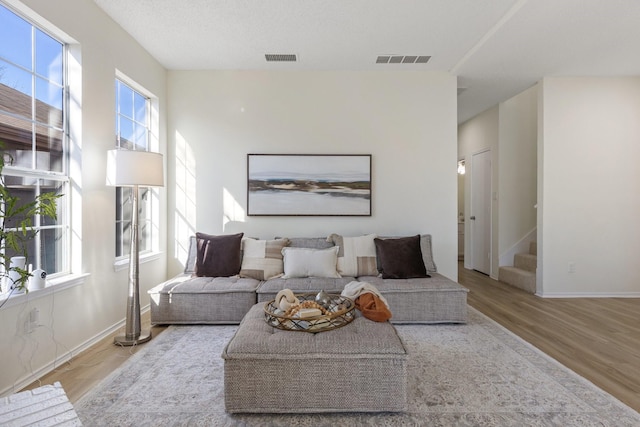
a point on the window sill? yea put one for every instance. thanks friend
(123, 263)
(53, 285)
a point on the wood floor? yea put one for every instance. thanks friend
(87, 369)
(595, 337)
(599, 338)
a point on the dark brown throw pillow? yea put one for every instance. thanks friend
(400, 258)
(218, 256)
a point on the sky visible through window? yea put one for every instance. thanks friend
(132, 118)
(24, 50)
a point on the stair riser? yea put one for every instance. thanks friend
(518, 278)
(526, 262)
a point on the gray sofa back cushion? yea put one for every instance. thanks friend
(309, 242)
(295, 242)
(190, 265)
(427, 253)
(320, 243)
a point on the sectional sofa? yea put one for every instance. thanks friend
(306, 265)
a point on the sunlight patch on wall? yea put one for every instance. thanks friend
(233, 211)
(185, 195)
(74, 75)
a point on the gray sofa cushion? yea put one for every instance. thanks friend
(185, 284)
(437, 299)
(309, 242)
(427, 253)
(202, 300)
(190, 265)
(268, 290)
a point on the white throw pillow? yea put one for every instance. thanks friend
(262, 259)
(356, 255)
(304, 262)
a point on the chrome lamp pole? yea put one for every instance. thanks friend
(128, 168)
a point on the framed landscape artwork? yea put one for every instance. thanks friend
(309, 184)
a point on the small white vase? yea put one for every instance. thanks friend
(14, 276)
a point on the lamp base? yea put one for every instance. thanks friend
(124, 341)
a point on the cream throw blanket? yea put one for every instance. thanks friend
(354, 289)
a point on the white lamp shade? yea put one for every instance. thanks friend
(128, 168)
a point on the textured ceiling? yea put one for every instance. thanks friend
(497, 48)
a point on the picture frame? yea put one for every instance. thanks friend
(309, 185)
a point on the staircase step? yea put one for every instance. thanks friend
(518, 278)
(526, 262)
(533, 248)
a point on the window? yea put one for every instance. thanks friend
(133, 132)
(33, 131)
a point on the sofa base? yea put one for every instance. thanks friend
(225, 300)
(202, 300)
(424, 300)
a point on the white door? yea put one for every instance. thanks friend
(480, 215)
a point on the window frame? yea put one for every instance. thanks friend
(152, 251)
(62, 177)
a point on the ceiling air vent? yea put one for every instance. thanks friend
(402, 59)
(278, 57)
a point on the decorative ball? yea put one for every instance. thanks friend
(324, 299)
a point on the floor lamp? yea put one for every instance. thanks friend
(127, 168)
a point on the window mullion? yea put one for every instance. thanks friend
(34, 127)
(38, 236)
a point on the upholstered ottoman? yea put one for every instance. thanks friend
(361, 367)
(205, 300)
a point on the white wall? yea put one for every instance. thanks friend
(405, 120)
(476, 135)
(517, 181)
(72, 317)
(591, 186)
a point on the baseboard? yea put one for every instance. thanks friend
(64, 358)
(588, 295)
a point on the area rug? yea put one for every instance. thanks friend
(478, 374)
